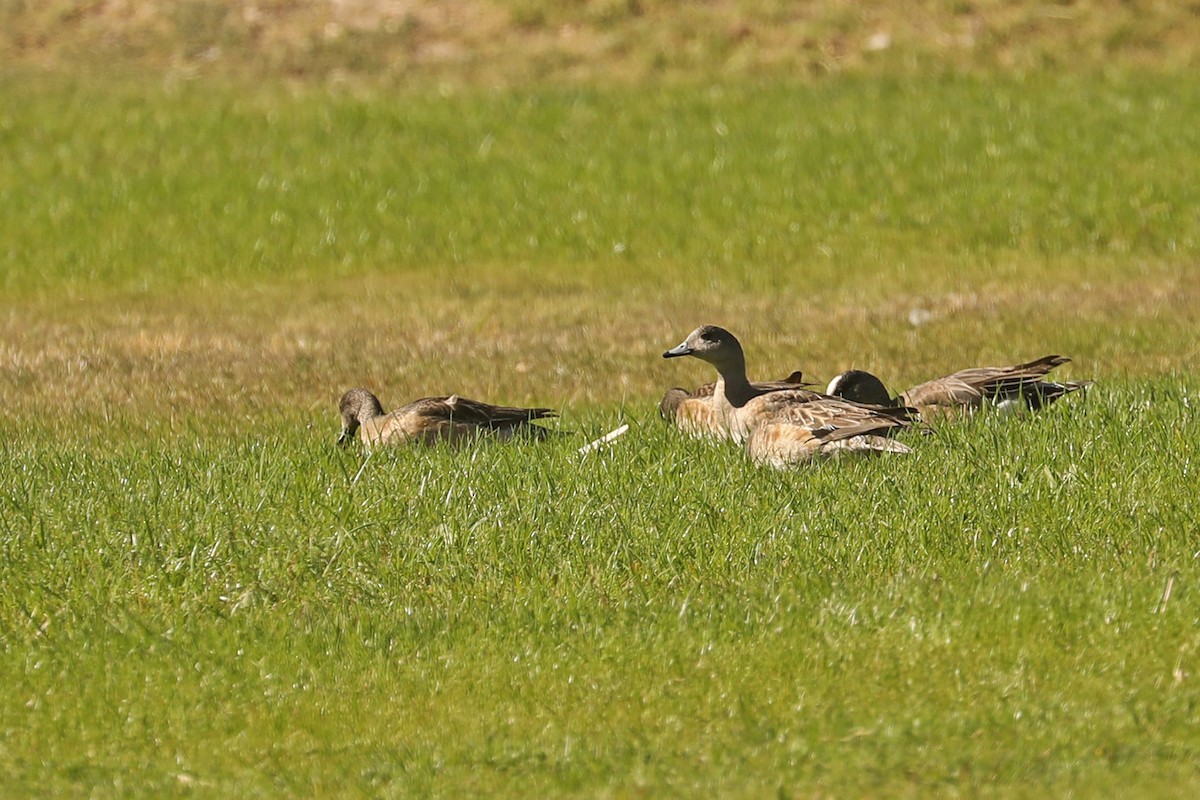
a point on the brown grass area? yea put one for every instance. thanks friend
(487, 41)
(298, 347)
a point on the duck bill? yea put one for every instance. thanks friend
(344, 438)
(678, 350)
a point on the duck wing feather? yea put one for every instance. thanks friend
(464, 410)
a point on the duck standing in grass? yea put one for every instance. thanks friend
(1019, 387)
(452, 419)
(787, 427)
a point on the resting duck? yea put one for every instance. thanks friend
(807, 431)
(694, 413)
(450, 419)
(796, 424)
(1010, 388)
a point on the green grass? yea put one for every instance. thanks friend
(145, 188)
(204, 597)
(253, 615)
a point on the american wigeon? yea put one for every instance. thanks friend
(806, 421)
(812, 430)
(732, 390)
(428, 420)
(694, 413)
(1011, 388)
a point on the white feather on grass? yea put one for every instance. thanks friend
(603, 440)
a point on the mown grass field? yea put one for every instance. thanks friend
(203, 596)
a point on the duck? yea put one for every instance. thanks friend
(797, 424)
(1015, 388)
(428, 420)
(693, 411)
(732, 390)
(808, 431)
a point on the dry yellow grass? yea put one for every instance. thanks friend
(236, 351)
(501, 42)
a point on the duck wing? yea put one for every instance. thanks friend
(820, 429)
(793, 381)
(970, 387)
(826, 416)
(804, 404)
(950, 392)
(465, 411)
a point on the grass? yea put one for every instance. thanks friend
(254, 616)
(256, 247)
(204, 597)
(847, 178)
(485, 42)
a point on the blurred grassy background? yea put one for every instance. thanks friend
(215, 248)
(493, 42)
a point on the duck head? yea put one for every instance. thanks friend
(860, 386)
(713, 344)
(356, 407)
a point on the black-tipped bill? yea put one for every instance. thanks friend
(678, 350)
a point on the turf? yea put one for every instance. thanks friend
(775, 185)
(1011, 608)
(204, 596)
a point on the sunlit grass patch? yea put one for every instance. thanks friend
(999, 599)
(756, 186)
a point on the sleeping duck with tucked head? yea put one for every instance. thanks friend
(1016, 388)
(451, 419)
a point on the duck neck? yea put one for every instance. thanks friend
(369, 408)
(733, 384)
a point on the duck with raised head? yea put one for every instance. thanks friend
(1019, 387)
(798, 424)
(451, 419)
